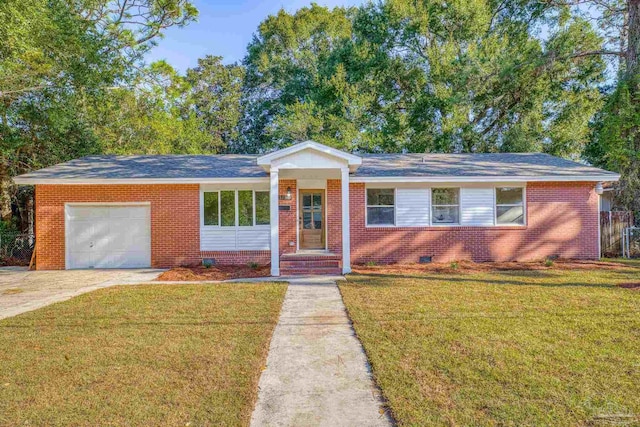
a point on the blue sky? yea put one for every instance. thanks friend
(224, 28)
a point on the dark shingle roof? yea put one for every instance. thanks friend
(480, 165)
(154, 167)
(373, 165)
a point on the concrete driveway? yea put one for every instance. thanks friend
(22, 290)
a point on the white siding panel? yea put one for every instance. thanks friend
(235, 239)
(477, 206)
(412, 207)
(218, 239)
(254, 239)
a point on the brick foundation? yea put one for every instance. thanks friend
(238, 257)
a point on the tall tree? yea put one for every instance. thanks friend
(57, 57)
(616, 137)
(151, 116)
(425, 76)
(214, 97)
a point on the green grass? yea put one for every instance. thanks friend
(552, 347)
(139, 355)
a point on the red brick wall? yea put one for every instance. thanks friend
(175, 218)
(562, 219)
(334, 216)
(288, 223)
(239, 257)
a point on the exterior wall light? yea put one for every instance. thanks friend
(288, 196)
(599, 189)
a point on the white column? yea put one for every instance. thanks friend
(275, 222)
(346, 234)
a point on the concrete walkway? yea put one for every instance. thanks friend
(317, 373)
(22, 290)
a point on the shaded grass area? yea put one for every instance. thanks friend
(555, 348)
(139, 355)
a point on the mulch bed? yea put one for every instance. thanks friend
(215, 272)
(10, 262)
(483, 267)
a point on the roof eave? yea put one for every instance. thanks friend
(134, 181)
(475, 179)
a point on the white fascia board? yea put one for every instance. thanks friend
(351, 159)
(550, 178)
(133, 181)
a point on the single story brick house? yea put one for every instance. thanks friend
(312, 208)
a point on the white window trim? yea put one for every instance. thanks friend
(367, 206)
(459, 205)
(524, 206)
(237, 211)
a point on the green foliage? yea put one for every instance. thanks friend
(424, 76)
(616, 142)
(213, 97)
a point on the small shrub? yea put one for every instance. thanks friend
(253, 265)
(548, 262)
(454, 265)
(371, 264)
(207, 263)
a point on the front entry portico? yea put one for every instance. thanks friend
(320, 218)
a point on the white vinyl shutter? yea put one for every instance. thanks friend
(412, 207)
(477, 206)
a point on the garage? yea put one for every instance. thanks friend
(108, 235)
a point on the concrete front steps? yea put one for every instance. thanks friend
(310, 264)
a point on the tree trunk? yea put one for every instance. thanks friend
(633, 46)
(5, 194)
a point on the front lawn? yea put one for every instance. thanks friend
(543, 347)
(139, 355)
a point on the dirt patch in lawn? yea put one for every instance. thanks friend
(634, 286)
(480, 267)
(216, 272)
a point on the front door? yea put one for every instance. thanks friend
(312, 219)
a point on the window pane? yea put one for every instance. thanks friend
(509, 196)
(380, 216)
(306, 200)
(245, 208)
(510, 214)
(306, 220)
(228, 208)
(380, 196)
(445, 196)
(317, 200)
(211, 208)
(262, 208)
(317, 220)
(445, 215)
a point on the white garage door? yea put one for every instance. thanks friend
(108, 236)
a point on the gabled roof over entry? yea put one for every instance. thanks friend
(351, 160)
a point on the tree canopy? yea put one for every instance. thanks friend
(560, 77)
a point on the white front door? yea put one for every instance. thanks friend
(108, 236)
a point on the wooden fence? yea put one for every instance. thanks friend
(612, 225)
